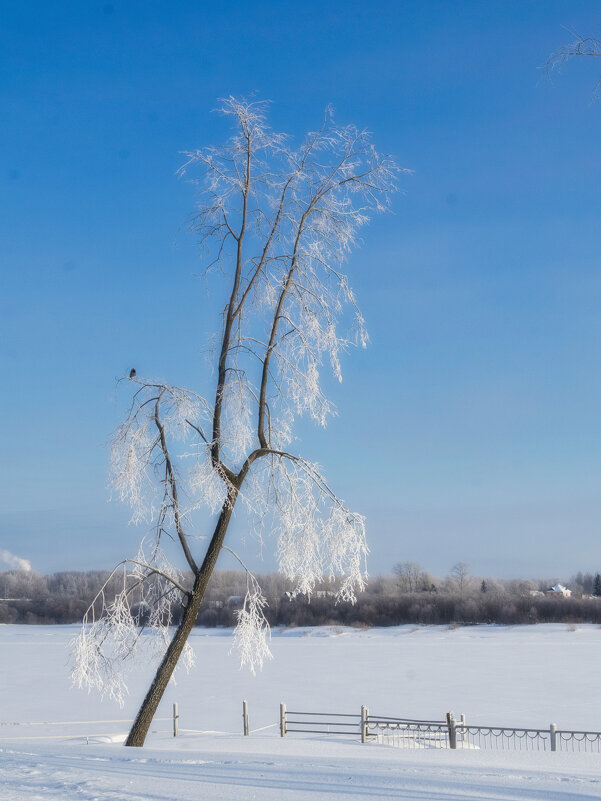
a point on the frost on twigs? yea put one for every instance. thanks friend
(157, 413)
(580, 46)
(318, 537)
(281, 220)
(129, 466)
(208, 485)
(131, 613)
(252, 629)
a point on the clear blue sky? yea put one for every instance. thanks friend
(482, 292)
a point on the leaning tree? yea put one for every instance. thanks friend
(277, 221)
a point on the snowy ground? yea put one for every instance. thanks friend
(520, 676)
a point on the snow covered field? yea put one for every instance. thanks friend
(519, 676)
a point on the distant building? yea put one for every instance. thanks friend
(235, 600)
(559, 591)
(291, 596)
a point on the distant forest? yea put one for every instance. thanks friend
(410, 595)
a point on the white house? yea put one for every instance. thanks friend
(559, 590)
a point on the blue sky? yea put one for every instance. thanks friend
(482, 291)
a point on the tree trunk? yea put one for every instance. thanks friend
(141, 724)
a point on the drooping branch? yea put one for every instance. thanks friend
(109, 636)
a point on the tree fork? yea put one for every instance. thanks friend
(147, 711)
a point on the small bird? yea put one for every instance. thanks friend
(132, 372)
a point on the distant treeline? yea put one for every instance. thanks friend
(409, 596)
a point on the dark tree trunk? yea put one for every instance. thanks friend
(139, 729)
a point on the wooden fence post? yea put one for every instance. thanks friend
(245, 717)
(364, 716)
(175, 720)
(452, 730)
(553, 733)
(282, 720)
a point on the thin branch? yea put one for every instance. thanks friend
(170, 475)
(155, 570)
(198, 429)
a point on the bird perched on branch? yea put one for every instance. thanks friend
(132, 372)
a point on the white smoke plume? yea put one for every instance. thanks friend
(14, 562)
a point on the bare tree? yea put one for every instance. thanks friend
(277, 222)
(410, 577)
(460, 577)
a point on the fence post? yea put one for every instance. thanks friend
(245, 717)
(553, 732)
(452, 730)
(364, 716)
(463, 724)
(175, 720)
(282, 720)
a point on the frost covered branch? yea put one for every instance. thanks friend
(144, 595)
(581, 46)
(252, 628)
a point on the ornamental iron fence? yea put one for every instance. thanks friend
(451, 733)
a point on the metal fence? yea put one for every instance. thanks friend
(457, 734)
(580, 741)
(406, 733)
(501, 738)
(451, 733)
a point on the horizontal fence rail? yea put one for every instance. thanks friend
(320, 723)
(19, 726)
(66, 722)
